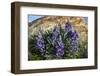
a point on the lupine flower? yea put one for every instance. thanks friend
(59, 47)
(74, 45)
(68, 27)
(59, 52)
(40, 43)
(73, 35)
(74, 40)
(55, 34)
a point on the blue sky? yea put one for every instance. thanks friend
(86, 19)
(33, 17)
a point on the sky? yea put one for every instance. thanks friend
(33, 17)
(86, 20)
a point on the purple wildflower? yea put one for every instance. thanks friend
(74, 35)
(60, 53)
(74, 40)
(55, 34)
(59, 47)
(68, 27)
(40, 43)
(74, 45)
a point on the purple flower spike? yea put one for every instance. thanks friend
(40, 43)
(74, 40)
(55, 34)
(73, 35)
(60, 53)
(74, 45)
(68, 27)
(59, 47)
